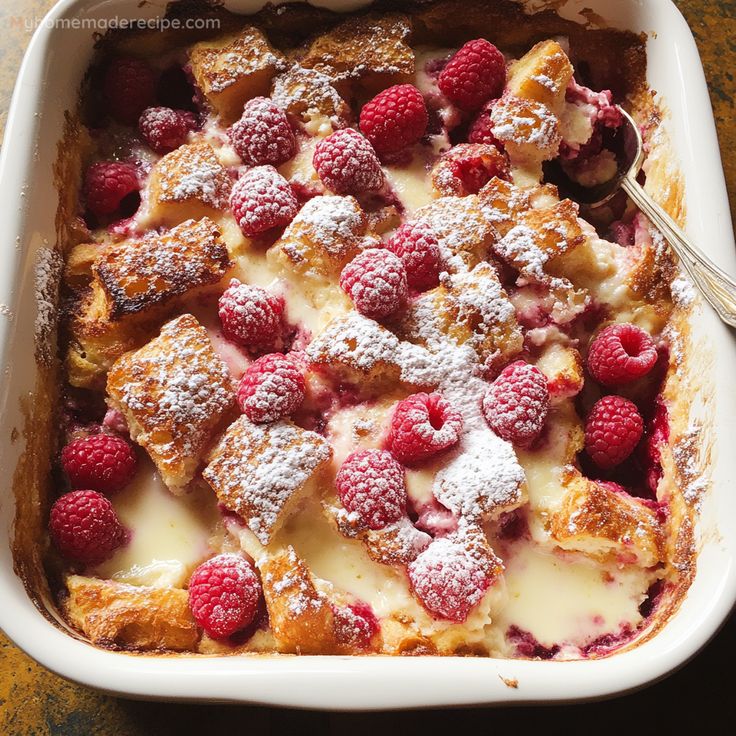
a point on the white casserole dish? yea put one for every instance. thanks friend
(48, 84)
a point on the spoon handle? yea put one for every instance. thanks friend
(715, 284)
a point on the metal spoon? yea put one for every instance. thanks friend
(714, 283)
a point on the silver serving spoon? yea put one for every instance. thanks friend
(714, 283)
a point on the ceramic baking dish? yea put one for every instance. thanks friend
(47, 86)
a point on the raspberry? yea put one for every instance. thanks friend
(263, 134)
(416, 245)
(371, 484)
(347, 164)
(612, 431)
(376, 282)
(102, 462)
(271, 388)
(467, 167)
(250, 315)
(85, 528)
(421, 426)
(355, 625)
(129, 88)
(475, 74)
(448, 580)
(395, 118)
(223, 595)
(262, 199)
(621, 353)
(106, 184)
(480, 129)
(516, 404)
(165, 129)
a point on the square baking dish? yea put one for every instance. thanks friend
(48, 85)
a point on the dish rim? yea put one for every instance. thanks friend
(435, 681)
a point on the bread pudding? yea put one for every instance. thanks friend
(340, 369)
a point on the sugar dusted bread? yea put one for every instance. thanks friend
(132, 286)
(300, 616)
(173, 392)
(130, 617)
(369, 50)
(231, 69)
(542, 75)
(326, 233)
(262, 472)
(189, 182)
(470, 308)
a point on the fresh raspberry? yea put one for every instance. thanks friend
(102, 462)
(263, 134)
(516, 404)
(448, 580)
(271, 388)
(165, 129)
(347, 164)
(262, 199)
(223, 595)
(129, 88)
(250, 315)
(480, 129)
(612, 431)
(85, 528)
(395, 118)
(355, 625)
(421, 426)
(371, 484)
(475, 74)
(621, 353)
(416, 245)
(467, 167)
(376, 282)
(106, 184)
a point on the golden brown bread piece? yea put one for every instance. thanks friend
(502, 204)
(233, 68)
(542, 74)
(127, 289)
(189, 182)
(262, 472)
(607, 524)
(468, 307)
(174, 392)
(131, 617)
(301, 617)
(369, 49)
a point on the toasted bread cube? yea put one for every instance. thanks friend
(135, 276)
(529, 130)
(372, 49)
(503, 204)
(446, 181)
(471, 308)
(606, 524)
(362, 352)
(173, 393)
(396, 544)
(542, 74)
(132, 287)
(300, 616)
(188, 182)
(563, 368)
(309, 96)
(541, 236)
(262, 472)
(131, 617)
(232, 69)
(326, 233)
(463, 232)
